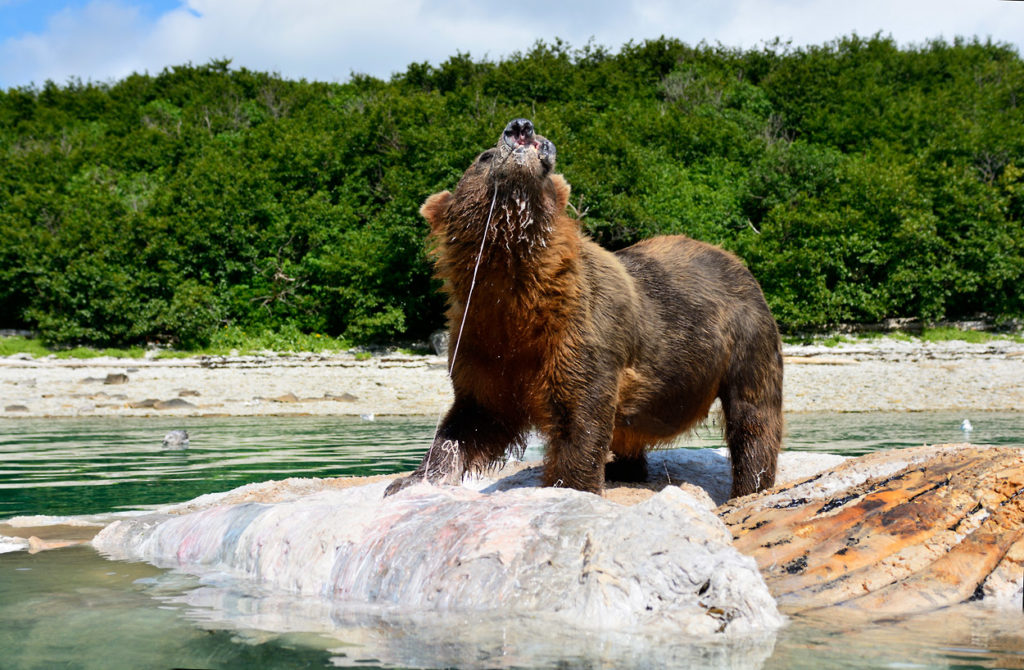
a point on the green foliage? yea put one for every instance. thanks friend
(936, 334)
(193, 315)
(284, 338)
(22, 345)
(36, 348)
(207, 205)
(948, 333)
(90, 352)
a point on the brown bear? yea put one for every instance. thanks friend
(604, 353)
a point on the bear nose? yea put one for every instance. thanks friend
(518, 132)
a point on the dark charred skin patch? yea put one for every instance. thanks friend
(796, 502)
(836, 503)
(777, 543)
(796, 566)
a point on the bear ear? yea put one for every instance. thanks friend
(435, 208)
(562, 190)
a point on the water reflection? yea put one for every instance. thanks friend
(966, 636)
(71, 608)
(480, 640)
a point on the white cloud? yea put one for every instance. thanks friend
(329, 39)
(819, 21)
(101, 37)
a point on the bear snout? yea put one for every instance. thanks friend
(519, 138)
(518, 132)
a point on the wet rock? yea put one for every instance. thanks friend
(116, 378)
(173, 403)
(327, 397)
(895, 532)
(156, 403)
(344, 397)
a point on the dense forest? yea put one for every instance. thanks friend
(858, 180)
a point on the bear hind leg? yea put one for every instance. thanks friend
(753, 431)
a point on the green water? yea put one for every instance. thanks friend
(88, 466)
(70, 608)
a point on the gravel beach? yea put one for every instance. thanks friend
(885, 374)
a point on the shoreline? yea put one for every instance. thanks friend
(885, 374)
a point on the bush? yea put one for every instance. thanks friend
(857, 179)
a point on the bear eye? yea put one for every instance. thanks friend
(485, 157)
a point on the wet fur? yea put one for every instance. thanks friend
(603, 353)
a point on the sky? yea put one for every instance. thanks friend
(328, 40)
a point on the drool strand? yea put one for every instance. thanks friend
(469, 296)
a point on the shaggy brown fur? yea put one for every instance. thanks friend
(603, 353)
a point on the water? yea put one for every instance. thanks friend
(72, 608)
(87, 466)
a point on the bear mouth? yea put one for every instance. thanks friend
(521, 146)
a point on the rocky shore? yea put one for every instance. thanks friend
(886, 374)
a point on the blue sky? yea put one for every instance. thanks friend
(30, 16)
(103, 40)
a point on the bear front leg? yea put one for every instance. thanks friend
(443, 464)
(469, 437)
(579, 442)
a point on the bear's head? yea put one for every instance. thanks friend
(512, 186)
